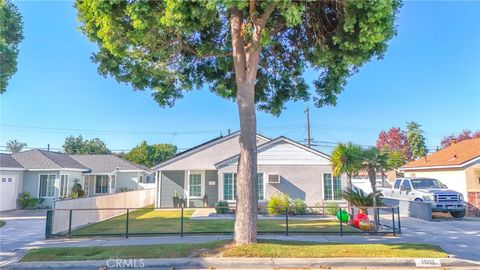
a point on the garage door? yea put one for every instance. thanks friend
(8, 193)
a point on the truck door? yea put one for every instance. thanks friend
(405, 189)
(396, 188)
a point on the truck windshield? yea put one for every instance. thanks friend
(426, 183)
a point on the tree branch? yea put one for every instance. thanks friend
(239, 56)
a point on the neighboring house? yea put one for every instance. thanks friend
(51, 175)
(284, 166)
(457, 166)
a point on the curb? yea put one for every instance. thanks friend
(246, 263)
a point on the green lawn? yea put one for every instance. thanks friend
(162, 221)
(265, 248)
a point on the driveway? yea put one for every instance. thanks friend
(22, 228)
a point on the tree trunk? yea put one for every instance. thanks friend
(246, 215)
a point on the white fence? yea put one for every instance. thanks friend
(80, 218)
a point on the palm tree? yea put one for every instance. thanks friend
(374, 161)
(347, 159)
(15, 146)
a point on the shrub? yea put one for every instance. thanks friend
(331, 208)
(298, 207)
(221, 207)
(358, 198)
(77, 191)
(28, 202)
(277, 204)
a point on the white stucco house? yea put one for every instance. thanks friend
(51, 176)
(207, 173)
(457, 166)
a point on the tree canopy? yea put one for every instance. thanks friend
(464, 135)
(11, 34)
(77, 145)
(14, 146)
(175, 46)
(151, 155)
(416, 139)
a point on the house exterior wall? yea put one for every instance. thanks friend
(31, 183)
(472, 174)
(128, 180)
(303, 182)
(170, 182)
(205, 159)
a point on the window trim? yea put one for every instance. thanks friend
(66, 186)
(333, 191)
(46, 191)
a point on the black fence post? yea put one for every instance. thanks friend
(393, 222)
(126, 223)
(181, 223)
(48, 224)
(286, 220)
(378, 216)
(398, 216)
(70, 224)
(341, 221)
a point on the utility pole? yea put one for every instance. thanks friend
(308, 126)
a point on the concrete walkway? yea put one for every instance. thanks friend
(21, 229)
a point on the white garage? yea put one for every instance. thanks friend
(11, 179)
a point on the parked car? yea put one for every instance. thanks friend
(428, 190)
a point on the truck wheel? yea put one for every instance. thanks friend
(458, 214)
(418, 200)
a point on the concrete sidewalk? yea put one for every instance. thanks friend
(249, 263)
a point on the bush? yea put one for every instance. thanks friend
(28, 202)
(331, 208)
(77, 191)
(298, 207)
(221, 207)
(359, 198)
(277, 204)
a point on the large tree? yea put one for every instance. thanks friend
(11, 34)
(394, 140)
(14, 146)
(150, 155)
(416, 139)
(77, 145)
(254, 52)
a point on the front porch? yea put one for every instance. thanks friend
(99, 184)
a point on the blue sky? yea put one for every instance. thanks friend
(430, 74)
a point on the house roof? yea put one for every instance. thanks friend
(266, 145)
(107, 163)
(37, 159)
(456, 155)
(7, 161)
(201, 147)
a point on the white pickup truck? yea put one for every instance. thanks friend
(428, 190)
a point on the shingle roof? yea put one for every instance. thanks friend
(453, 155)
(106, 163)
(7, 161)
(40, 159)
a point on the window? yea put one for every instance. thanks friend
(397, 184)
(332, 187)
(230, 183)
(195, 185)
(86, 184)
(47, 186)
(140, 179)
(101, 184)
(112, 178)
(261, 197)
(63, 185)
(406, 185)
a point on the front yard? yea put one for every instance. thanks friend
(147, 221)
(264, 248)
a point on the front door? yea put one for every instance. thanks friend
(8, 193)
